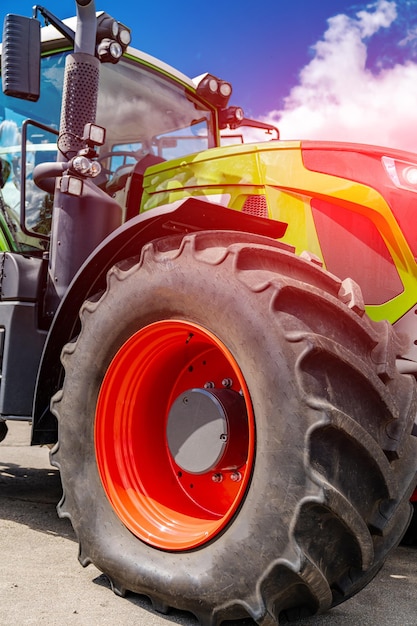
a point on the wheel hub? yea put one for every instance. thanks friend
(204, 430)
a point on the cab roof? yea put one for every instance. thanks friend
(50, 35)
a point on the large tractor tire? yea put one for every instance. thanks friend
(234, 438)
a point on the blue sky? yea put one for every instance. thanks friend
(258, 46)
(319, 69)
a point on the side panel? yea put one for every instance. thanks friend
(21, 339)
(20, 352)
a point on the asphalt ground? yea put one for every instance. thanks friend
(42, 582)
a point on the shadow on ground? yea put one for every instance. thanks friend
(30, 495)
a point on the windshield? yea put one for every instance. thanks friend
(139, 106)
(144, 113)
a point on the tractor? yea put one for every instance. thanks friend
(217, 338)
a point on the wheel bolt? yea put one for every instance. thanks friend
(209, 385)
(217, 478)
(236, 477)
(227, 382)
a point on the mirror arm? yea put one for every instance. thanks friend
(50, 18)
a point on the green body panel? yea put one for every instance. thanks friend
(275, 170)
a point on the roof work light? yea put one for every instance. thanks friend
(113, 37)
(216, 91)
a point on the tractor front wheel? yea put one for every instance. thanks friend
(234, 439)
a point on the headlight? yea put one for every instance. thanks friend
(109, 51)
(402, 173)
(232, 117)
(85, 167)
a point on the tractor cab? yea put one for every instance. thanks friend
(151, 113)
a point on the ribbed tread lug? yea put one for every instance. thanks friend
(83, 557)
(317, 583)
(354, 522)
(117, 588)
(316, 348)
(160, 606)
(356, 432)
(324, 345)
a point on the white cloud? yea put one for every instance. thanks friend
(339, 98)
(382, 17)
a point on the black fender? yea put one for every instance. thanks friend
(182, 217)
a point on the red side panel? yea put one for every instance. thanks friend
(352, 246)
(362, 164)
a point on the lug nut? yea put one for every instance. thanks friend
(217, 478)
(236, 477)
(209, 385)
(227, 382)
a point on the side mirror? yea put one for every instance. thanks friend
(21, 57)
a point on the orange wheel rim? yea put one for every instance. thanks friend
(171, 499)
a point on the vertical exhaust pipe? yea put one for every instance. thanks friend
(72, 238)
